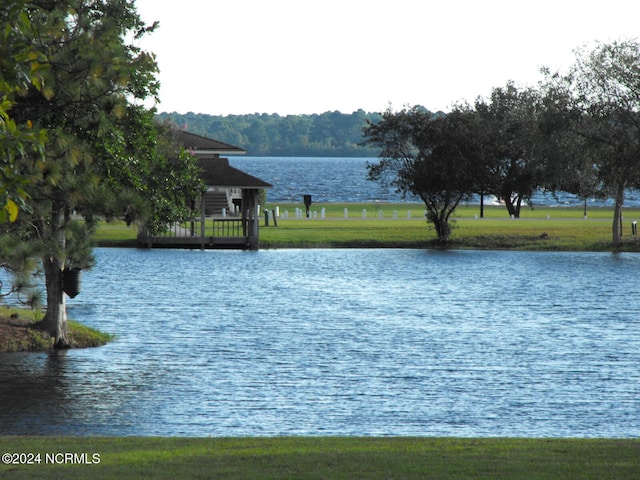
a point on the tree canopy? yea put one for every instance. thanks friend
(102, 154)
(578, 132)
(329, 134)
(20, 69)
(508, 136)
(603, 86)
(432, 157)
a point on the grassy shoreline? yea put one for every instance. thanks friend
(19, 332)
(323, 457)
(402, 225)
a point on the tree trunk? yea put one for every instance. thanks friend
(518, 206)
(55, 320)
(512, 207)
(440, 221)
(617, 217)
(443, 229)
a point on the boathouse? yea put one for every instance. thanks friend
(226, 215)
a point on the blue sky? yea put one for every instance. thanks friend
(307, 56)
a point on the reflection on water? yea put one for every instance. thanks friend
(342, 342)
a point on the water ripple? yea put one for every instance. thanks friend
(342, 342)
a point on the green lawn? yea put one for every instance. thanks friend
(403, 225)
(34, 339)
(322, 458)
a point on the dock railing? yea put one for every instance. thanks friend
(211, 233)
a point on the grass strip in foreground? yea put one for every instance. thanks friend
(320, 457)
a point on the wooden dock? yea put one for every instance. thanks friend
(210, 233)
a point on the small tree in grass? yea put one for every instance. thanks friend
(430, 157)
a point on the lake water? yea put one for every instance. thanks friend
(342, 342)
(326, 179)
(345, 180)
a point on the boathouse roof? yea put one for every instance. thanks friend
(218, 173)
(200, 144)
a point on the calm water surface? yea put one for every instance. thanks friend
(342, 342)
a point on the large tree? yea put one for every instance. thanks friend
(603, 85)
(508, 134)
(433, 157)
(565, 153)
(101, 151)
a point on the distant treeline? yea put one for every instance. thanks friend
(330, 134)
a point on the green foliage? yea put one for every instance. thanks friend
(154, 177)
(17, 258)
(507, 133)
(602, 97)
(91, 76)
(76, 80)
(432, 157)
(330, 134)
(20, 69)
(579, 132)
